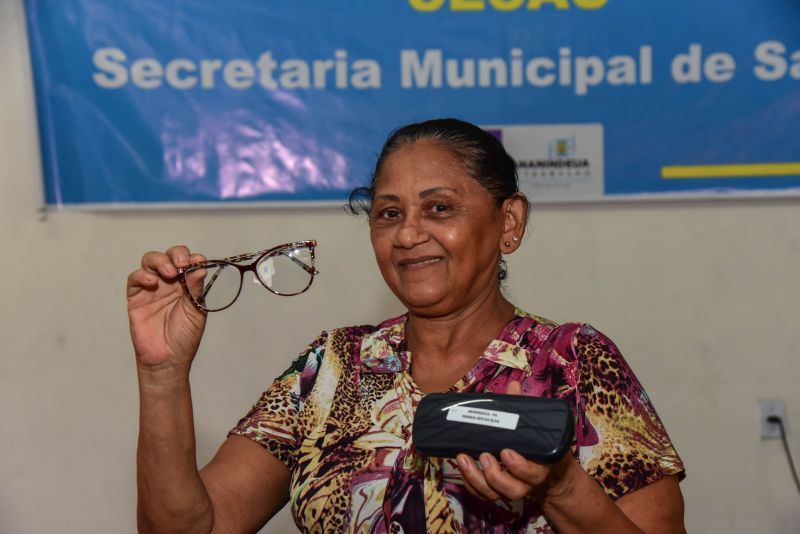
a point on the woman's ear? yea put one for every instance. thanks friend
(515, 215)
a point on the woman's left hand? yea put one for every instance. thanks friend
(571, 499)
(516, 478)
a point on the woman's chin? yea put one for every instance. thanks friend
(426, 303)
(421, 299)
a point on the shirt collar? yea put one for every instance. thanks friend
(384, 350)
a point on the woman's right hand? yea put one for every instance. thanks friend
(165, 326)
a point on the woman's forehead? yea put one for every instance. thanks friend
(423, 165)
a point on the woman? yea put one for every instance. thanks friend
(333, 432)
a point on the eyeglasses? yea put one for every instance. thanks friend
(285, 270)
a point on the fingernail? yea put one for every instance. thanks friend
(510, 457)
(462, 462)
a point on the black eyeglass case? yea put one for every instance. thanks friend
(446, 424)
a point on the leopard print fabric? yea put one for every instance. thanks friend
(340, 419)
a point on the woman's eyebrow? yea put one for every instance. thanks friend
(433, 190)
(387, 196)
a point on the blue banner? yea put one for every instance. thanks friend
(195, 102)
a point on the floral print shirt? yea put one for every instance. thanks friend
(340, 419)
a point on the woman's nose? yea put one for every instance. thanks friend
(412, 232)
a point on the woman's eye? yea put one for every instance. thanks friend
(440, 208)
(389, 214)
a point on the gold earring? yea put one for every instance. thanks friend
(507, 244)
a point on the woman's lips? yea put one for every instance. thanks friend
(419, 263)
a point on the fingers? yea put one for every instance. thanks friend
(530, 473)
(514, 479)
(474, 479)
(160, 264)
(179, 255)
(502, 481)
(141, 279)
(165, 263)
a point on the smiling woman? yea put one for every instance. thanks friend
(435, 231)
(333, 433)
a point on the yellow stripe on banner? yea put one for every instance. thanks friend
(743, 170)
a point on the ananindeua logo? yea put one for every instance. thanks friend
(556, 162)
(561, 161)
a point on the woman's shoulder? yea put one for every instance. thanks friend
(547, 330)
(565, 340)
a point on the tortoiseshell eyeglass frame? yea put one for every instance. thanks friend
(233, 261)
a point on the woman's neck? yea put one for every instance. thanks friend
(443, 349)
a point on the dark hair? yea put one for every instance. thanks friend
(480, 153)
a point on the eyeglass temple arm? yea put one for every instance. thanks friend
(307, 268)
(211, 283)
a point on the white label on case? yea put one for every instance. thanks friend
(478, 416)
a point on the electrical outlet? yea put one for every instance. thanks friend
(768, 407)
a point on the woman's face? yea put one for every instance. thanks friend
(435, 231)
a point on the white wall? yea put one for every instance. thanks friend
(703, 298)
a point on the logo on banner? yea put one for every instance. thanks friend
(556, 162)
(562, 148)
(562, 161)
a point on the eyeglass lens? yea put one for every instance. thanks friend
(216, 285)
(286, 271)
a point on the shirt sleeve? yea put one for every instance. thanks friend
(621, 440)
(273, 422)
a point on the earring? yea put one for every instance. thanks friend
(507, 244)
(515, 239)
